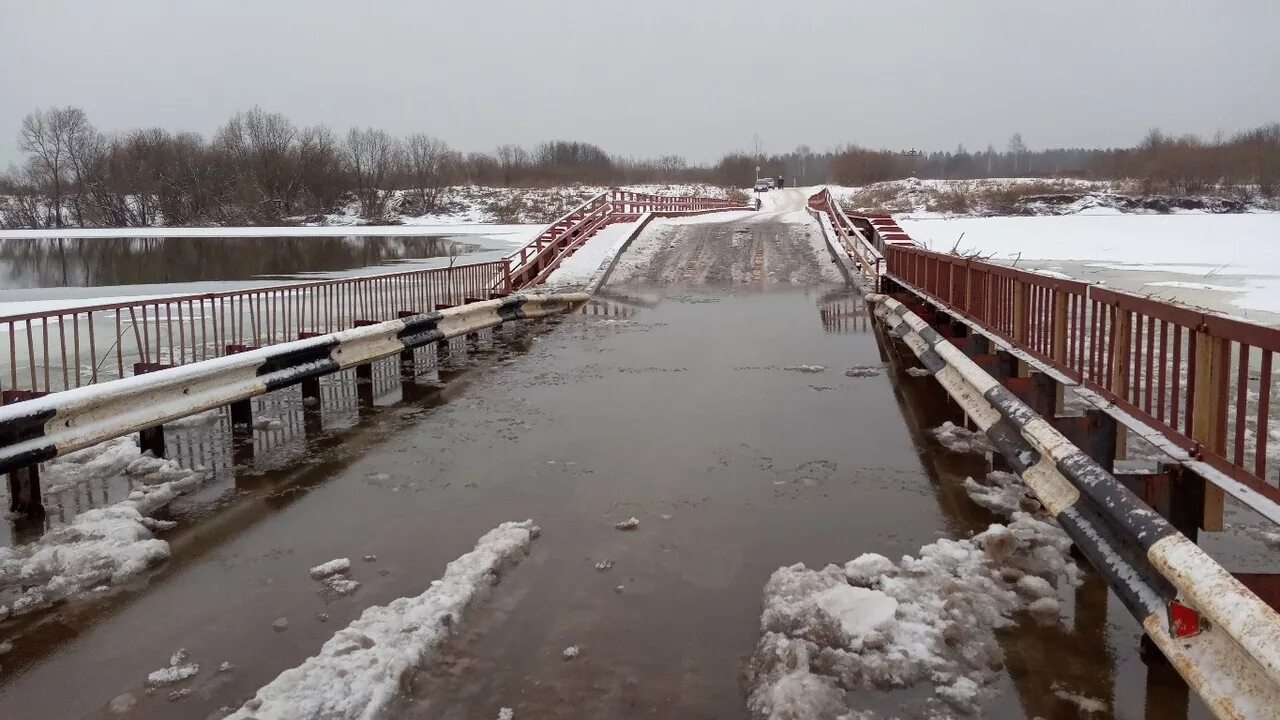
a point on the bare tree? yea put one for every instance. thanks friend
(51, 138)
(671, 166)
(426, 165)
(260, 148)
(371, 157)
(513, 160)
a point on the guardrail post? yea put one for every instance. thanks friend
(1120, 372)
(310, 386)
(364, 374)
(241, 410)
(408, 363)
(25, 497)
(1059, 344)
(151, 439)
(1207, 422)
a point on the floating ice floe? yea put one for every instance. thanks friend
(922, 621)
(960, 440)
(359, 672)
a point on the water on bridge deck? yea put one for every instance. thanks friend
(717, 412)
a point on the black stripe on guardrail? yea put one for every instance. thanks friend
(511, 308)
(280, 370)
(1129, 573)
(24, 428)
(421, 330)
(1119, 504)
(1121, 560)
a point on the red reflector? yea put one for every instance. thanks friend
(1184, 622)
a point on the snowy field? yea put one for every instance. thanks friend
(1226, 262)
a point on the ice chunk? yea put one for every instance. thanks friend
(333, 567)
(858, 609)
(959, 440)
(628, 524)
(570, 652)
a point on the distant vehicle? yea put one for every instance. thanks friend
(782, 182)
(764, 184)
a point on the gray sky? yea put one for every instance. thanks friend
(647, 77)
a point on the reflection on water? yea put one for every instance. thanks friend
(93, 262)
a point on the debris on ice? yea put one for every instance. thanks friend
(1085, 704)
(959, 440)
(333, 567)
(341, 585)
(862, 371)
(122, 704)
(629, 524)
(358, 672)
(179, 669)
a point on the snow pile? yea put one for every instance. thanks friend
(360, 670)
(959, 440)
(99, 547)
(876, 624)
(74, 469)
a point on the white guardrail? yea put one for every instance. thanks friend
(43, 428)
(1232, 656)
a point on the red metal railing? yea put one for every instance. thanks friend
(1204, 380)
(54, 350)
(533, 262)
(868, 257)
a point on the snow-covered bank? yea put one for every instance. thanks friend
(934, 198)
(1235, 253)
(100, 547)
(359, 672)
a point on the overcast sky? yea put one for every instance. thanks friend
(649, 77)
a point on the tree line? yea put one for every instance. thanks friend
(1246, 162)
(261, 168)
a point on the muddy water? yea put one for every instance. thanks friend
(681, 415)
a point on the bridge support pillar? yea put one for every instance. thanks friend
(25, 497)
(408, 361)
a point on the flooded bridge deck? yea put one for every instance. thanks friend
(717, 412)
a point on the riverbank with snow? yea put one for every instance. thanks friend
(1226, 262)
